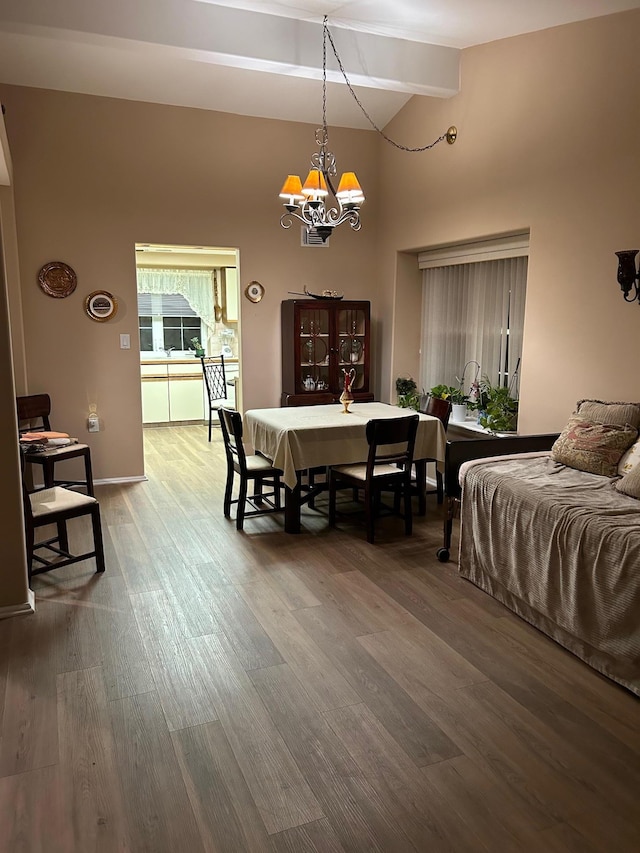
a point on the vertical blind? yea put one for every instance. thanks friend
(473, 312)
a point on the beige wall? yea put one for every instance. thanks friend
(14, 595)
(106, 174)
(548, 139)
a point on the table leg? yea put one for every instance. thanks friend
(292, 508)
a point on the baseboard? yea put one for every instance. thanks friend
(25, 609)
(112, 480)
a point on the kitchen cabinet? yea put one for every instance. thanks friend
(172, 391)
(229, 295)
(321, 340)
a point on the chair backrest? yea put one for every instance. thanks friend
(320, 399)
(438, 408)
(34, 409)
(214, 378)
(392, 442)
(231, 427)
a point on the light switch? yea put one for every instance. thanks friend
(125, 341)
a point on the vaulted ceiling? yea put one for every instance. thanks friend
(264, 58)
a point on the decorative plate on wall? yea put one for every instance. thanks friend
(100, 305)
(254, 291)
(57, 279)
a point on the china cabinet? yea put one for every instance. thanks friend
(321, 340)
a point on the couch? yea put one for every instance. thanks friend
(555, 536)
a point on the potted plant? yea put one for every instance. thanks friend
(407, 391)
(198, 347)
(497, 408)
(456, 396)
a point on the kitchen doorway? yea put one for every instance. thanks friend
(188, 300)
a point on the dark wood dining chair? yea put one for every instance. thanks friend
(56, 506)
(253, 469)
(34, 413)
(440, 409)
(387, 469)
(216, 384)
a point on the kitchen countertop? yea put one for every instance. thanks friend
(180, 360)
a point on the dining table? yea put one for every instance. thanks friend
(301, 438)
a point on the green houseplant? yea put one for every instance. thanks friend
(197, 347)
(407, 391)
(450, 392)
(456, 397)
(497, 408)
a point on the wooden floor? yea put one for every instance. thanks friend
(225, 691)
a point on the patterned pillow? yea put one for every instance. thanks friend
(593, 447)
(630, 459)
(610, 413)
(630, 483)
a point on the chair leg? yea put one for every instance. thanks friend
(277, 498)
(63, 536)
(439, 487)
(97, 538)
(228, 491)
(408, 514)
(210, 420)
(370, 498)
(421, 486)
(332, 500)
(242, 502)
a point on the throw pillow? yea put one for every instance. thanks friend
(630, 483)
(593, 447)
(630, 459)
(610, 413)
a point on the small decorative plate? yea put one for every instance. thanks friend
(101, 306)
(57, 279)
(254, 291)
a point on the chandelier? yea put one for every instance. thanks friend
(308, 202)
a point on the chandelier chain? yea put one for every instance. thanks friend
(328, 35)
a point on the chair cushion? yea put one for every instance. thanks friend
(359, 472)
(258, 463)
(57, 499)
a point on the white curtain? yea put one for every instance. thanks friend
(473, 312)
(195, 285)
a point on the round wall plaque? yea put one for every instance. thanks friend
(100, 305)
(57, 279)
(254, 291)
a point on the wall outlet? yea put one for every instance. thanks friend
(93, 424)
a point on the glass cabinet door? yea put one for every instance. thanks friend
(352, 341)
(313, 349)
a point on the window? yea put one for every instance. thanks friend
(178, 331)
(167, 322)
(473, 311)
(146, 334)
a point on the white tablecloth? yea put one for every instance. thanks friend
(301, 437)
